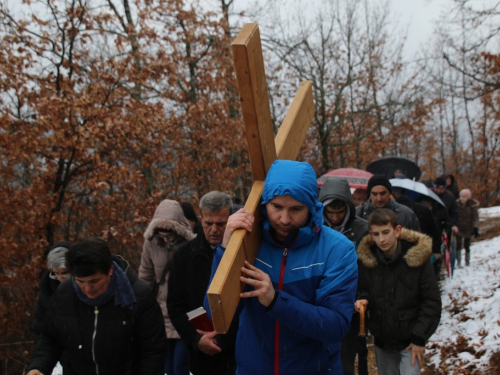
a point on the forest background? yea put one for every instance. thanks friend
(109, 106)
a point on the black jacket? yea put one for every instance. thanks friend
(451, 206)
(355, 228)
(126, 341)
(406, 217)
(188, 283)
(47, 290)
(404, 302)
(428, 224)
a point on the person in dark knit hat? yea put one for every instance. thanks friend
(379, 180)
(379, 191)
(440, 182)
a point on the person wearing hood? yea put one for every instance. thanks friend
(451, 185)
(191, 216)
(299, 295)
(468, 224)
(340, 214)
(168, 230)
(103, 320)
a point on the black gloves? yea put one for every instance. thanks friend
(476, 232)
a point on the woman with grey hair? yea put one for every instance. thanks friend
(55, 274)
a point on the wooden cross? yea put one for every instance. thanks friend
(263, 149)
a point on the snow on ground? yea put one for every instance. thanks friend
(470, 320)
(489, 212)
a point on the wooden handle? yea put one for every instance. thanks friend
(362, 331)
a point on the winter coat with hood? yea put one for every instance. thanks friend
(314, 274)
(107, 339)
(353, 227)
(187, 285)
(406, 217)
(468, 217)
(156, 253)
(404, 302)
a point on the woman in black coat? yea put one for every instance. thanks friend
(103, 320)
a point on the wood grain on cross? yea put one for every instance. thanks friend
(263, 149)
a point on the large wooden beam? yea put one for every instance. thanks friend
(224, 291)
(293, 130)
(254, 97)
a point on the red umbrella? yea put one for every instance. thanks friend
(356, 178)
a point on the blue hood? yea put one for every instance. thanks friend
(297, 179)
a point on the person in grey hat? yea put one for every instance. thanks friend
(379, 191)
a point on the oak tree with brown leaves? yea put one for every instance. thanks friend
(106, 109)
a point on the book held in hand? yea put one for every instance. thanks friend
(200, 320)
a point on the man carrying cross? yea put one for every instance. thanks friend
(304, 280)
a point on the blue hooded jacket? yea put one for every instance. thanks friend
(300, 332)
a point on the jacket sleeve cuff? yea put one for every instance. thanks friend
(273, 301)
(417, 340)
(195, 342)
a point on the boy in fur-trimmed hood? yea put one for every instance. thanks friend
(398, 287)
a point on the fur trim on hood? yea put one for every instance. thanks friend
(416, 256)
(169, 215)
(471, 202)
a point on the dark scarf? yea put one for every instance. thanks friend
(119, 287)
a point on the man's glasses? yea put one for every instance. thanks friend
(59, 275)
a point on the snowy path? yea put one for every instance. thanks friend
(470, 321)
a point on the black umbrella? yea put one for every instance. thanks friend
(389, 164)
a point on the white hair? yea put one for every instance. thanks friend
(57, 258)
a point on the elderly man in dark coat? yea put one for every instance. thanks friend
(209, 353)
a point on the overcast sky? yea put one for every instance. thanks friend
(420, 17)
